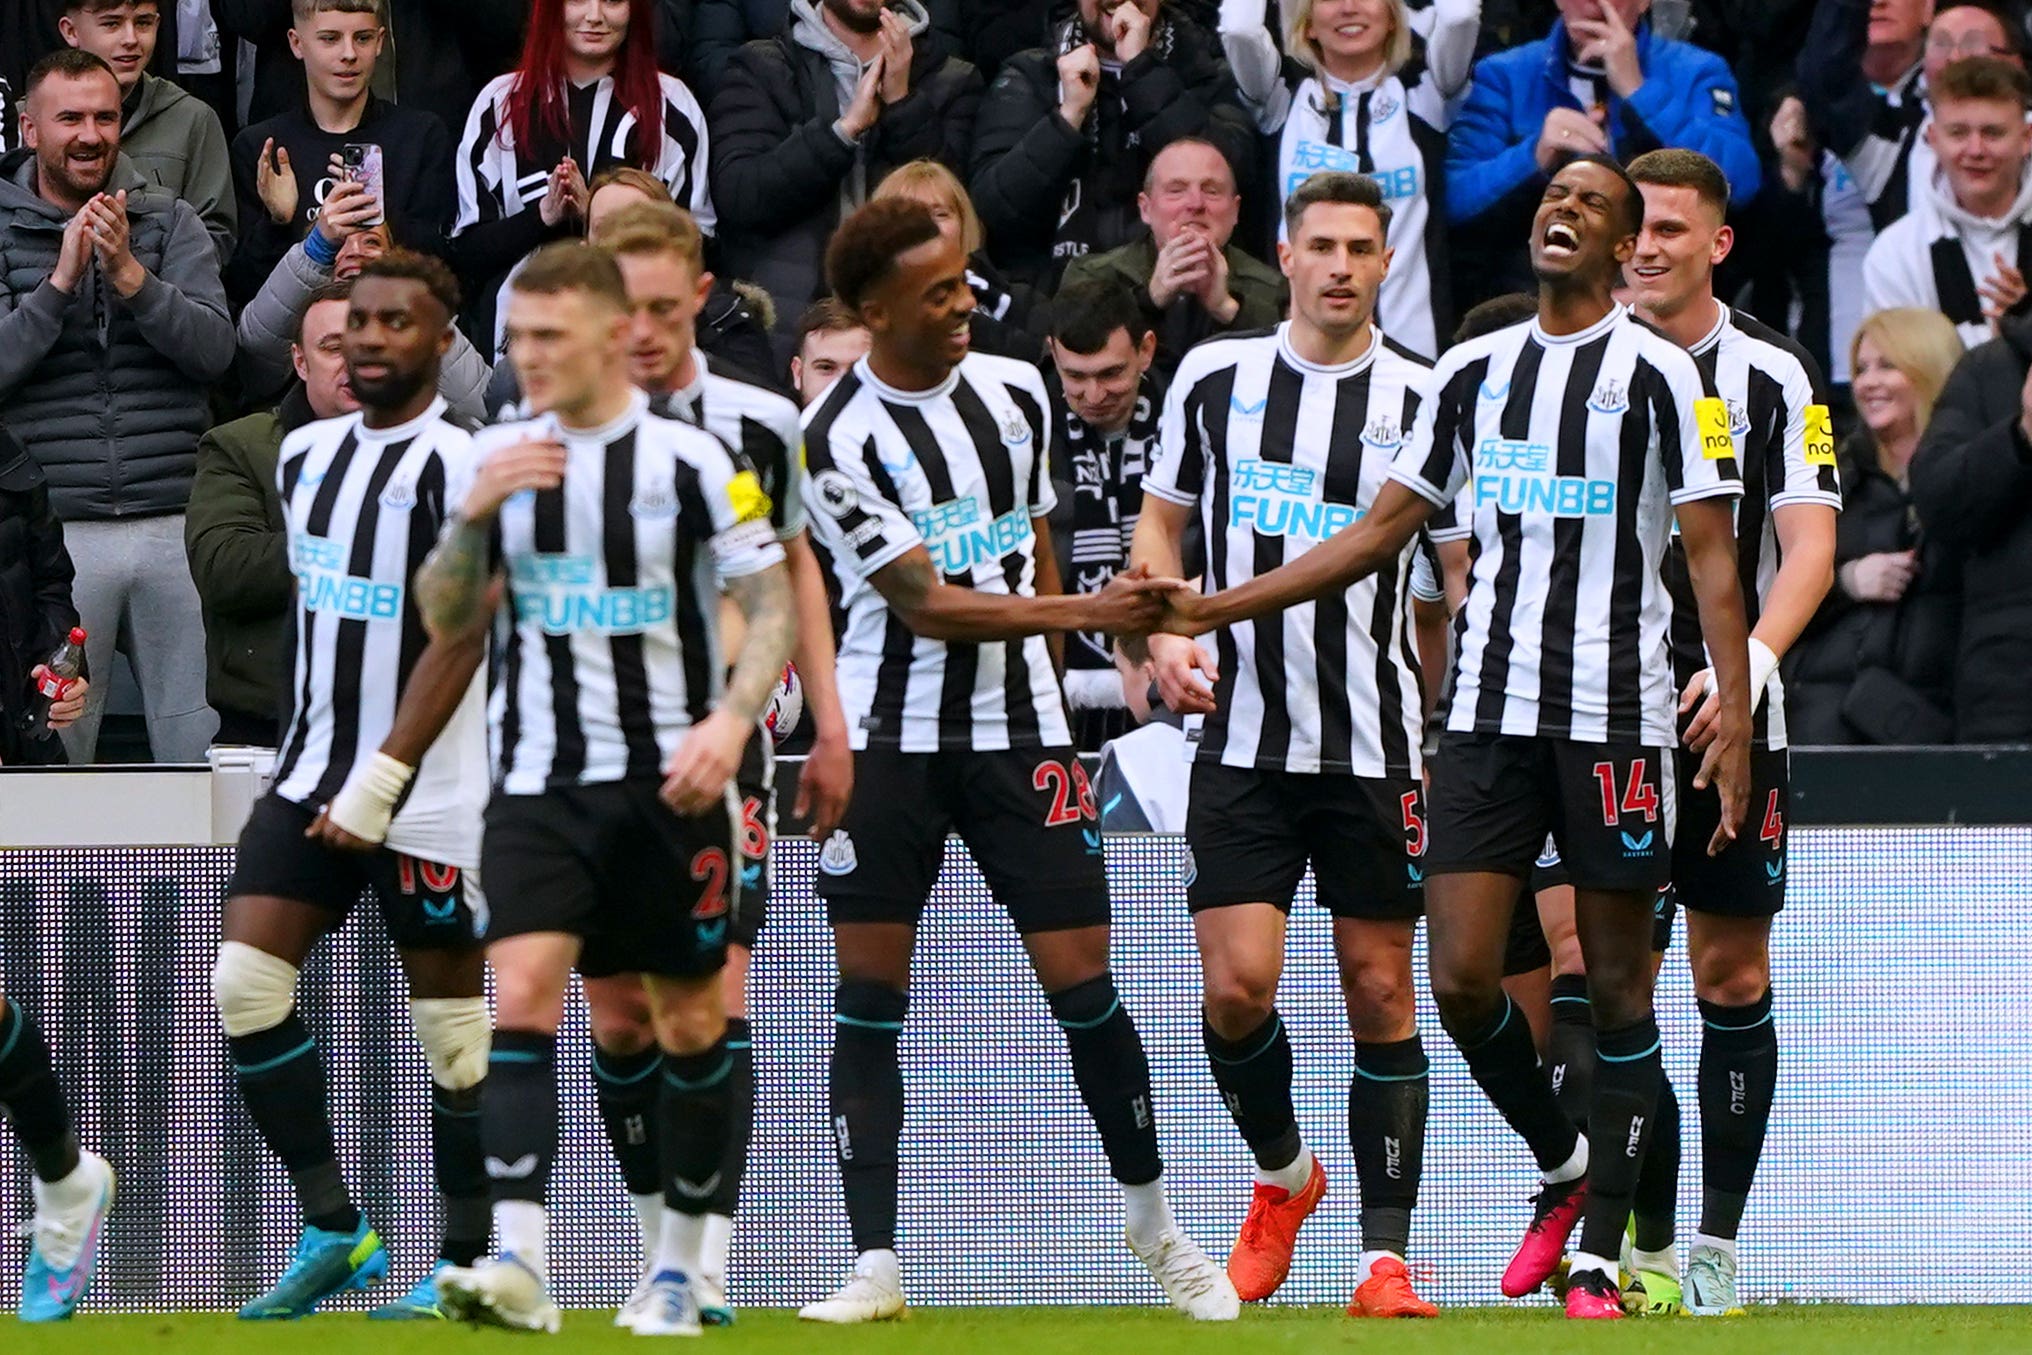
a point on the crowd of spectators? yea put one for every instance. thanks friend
(187, 185)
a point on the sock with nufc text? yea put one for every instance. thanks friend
(1570, 1049)
(1503, 1060)
(1387, 1100)
(1627, 1082)
(1113, 1074)
(1738, 1080)
(626, 1089)
(1656, 1203)
(867, 1105)
(1254, 1075)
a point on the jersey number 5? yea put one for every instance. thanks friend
(1639, 797)
(1414, 824)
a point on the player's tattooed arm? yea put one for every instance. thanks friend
(458, 589)
(698, 773)
(769, 608)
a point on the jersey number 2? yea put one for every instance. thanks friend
(709, 868)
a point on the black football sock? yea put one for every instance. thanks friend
(282, 1081)
(691, 1114)
(1570, 1050)
(1254, 1075)
(1113, 1075)
(1627, 1080)
(1504, 1062)
(1386, 1128)
(33, 1101)
(1657, 1199)
(461, 1172)
(518, 1114)
(740, 1117)
(1738, 1078)
(867, 1105)
(626, 1088)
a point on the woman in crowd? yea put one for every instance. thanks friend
(1361, 92)
(1876, 663)
(1003, 309)
(586, 97)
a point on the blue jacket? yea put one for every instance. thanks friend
(1688, 100)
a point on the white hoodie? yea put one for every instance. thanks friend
(1904, 268)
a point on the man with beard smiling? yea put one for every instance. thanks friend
(113, 325)
(1570, 443)
(364, 497)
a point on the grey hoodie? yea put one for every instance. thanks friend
(176, 142)
(808, 29)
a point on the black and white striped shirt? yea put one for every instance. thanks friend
(1279, 454)
(1568, 454)
(1784, 440)
(764, 427)
(1391, 127)
(961, 471)
(362, 508)
(611, 635)
(497, 178)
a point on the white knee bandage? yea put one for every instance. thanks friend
(252, 989)
(456, 1033)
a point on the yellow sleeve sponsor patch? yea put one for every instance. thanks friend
(1711, 417)
(747, 496)
(1819, 436)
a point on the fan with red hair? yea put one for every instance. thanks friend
(550, 58)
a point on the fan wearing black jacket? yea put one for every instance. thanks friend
(1076, 124)
(807, 123)
(35, 606)
(284, 166)
(1972, 487)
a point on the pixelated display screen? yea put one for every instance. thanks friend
(1904, 979)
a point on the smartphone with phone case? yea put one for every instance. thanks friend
(362, 163)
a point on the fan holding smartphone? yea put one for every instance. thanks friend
(360, 162)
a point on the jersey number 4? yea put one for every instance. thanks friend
(1639, 796)
(1072, 795)
(1773, 831)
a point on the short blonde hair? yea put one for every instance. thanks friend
(652, 228)
(929, 178)
(1306, 52)
(1922, 344)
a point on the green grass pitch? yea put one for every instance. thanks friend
(1827, 1330)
